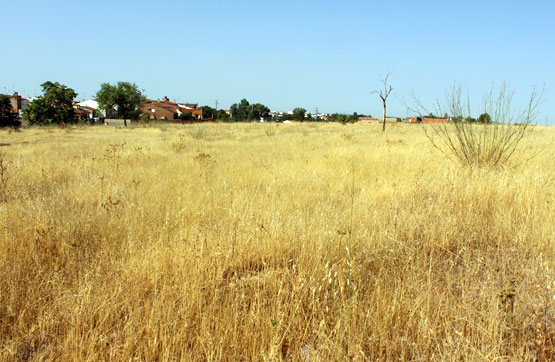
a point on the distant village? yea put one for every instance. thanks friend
(167, 110)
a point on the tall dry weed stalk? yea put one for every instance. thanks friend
(3, 168)
(4, 175)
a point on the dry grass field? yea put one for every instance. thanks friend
(265, 242)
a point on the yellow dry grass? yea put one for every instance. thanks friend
(259, 242)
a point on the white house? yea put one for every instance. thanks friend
(92, 104)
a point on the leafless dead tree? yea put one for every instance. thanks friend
(383, 94)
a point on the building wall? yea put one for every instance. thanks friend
(160, 112)
(428, 120)
(168, 110)
(14, 104)
(195, 112)
(17, 102)
(83, 112)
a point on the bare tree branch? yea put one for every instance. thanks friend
(383, 94)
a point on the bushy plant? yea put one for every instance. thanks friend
(54, 106)
(198, 132)
(135, 115)
(489, 144)
(180, 145)
(186, 116)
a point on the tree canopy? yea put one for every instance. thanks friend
(209, 112)
(343, 118)
(122, 99)
(240, 111)
(54, 106)
(484, 118)
(244, 111)
(299, 114)
(258, 111)
(7, 116)
(213, 113)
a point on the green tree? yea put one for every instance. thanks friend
(286, 117)
(186, 116)
(258, 111)
(7, 116)
(244, 111)
(240, 111)
(484, 118)
(208, 112)
(54, 106)
(222, 115)
(5, 106)
(343, 118)
(122, 99)
(338, 117)
(299, 114)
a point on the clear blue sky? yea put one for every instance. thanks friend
(284, 54)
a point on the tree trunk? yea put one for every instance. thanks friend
(383, 129)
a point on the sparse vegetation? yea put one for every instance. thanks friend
(144, 117)
(198, 132)
(4, 166)
(494, 141)
(181, 144)
(256, 248)
(270, 130)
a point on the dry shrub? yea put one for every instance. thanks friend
(479, 145)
